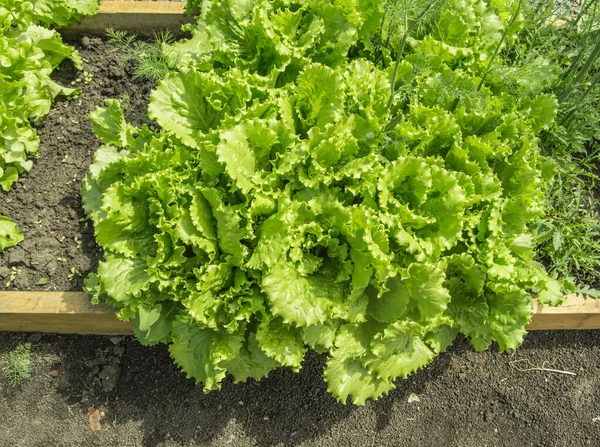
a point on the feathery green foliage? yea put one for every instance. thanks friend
(569, 233)
(151, 61)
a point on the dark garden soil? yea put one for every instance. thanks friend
(45, 203)
(464, 399)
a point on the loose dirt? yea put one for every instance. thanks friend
(464, 399)
(45, 203)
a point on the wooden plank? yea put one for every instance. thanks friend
(142, 18)
(120, 7)
(72, 313)
(578, 312)
(57, 312)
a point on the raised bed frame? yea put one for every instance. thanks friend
(72, 312)
(139, 17)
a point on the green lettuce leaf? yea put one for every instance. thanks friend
(201, 353)
(9, 233)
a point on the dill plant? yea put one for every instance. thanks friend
(149, 58)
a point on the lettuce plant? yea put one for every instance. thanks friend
(28, 55)
(294, 199)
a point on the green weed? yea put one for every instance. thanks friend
(16, 364)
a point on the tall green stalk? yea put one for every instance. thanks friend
(589, 63)
(497, 50)
(408, 30)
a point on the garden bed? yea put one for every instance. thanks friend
(544, 393)
(59, 248)
(73, 313)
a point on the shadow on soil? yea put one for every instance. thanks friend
(130, 382)
(141, 392)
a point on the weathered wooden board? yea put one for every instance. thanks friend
(72, 313)
(578, 312)
(59, 312)
(142, 18)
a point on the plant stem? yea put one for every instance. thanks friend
(583, 10)
(573, 66)
(581, 73)
(588, 64)
(497, 50)
(567, 119)
(407, 31)
(396, 67)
